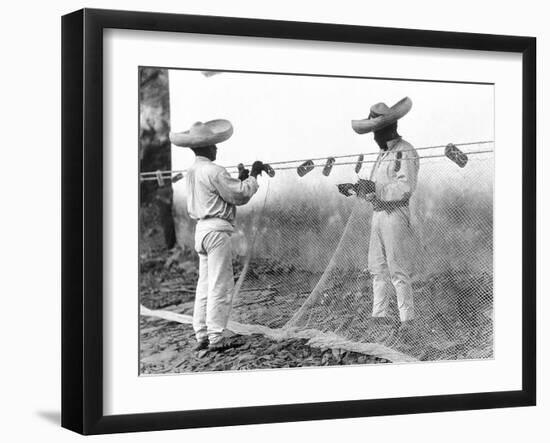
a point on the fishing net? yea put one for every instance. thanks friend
(305, 247)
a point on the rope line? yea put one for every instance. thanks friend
(167, 174)
(381, 161)
(240, 280)
(153, 173)
(374, 153)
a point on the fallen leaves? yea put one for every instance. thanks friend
(166, 347)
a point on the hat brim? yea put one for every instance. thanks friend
(397, 111)
(222, 130)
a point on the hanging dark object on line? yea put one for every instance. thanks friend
(305, 167)
(359, 163)
(456, 155)
(328, 166)
(177, 177)
(269, 170)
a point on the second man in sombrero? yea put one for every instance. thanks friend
(394, 177)
(212, 197)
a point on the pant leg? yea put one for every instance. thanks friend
(381, 284)
(397, 237)
(220, 282)
(201, 296)
(381, 289)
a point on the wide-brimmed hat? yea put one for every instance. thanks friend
(381, 116)
(203, 134)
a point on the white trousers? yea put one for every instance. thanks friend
(390, 263)
(215, 285)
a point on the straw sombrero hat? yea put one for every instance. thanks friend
(381, 116)
(203, 134)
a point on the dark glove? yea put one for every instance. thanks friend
(243, 173)
(364, 187)
(257, 168)
(361, 188)
(345, 189)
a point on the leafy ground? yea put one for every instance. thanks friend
(166, 347)
(167, 282)
(456, 321)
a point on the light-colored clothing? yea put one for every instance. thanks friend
(395, 175)
(390, 251)
(212, 197)
(213, 193)
(395, 172)
(215, 286)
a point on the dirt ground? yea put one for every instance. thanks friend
(167, 282)
(167, 347)
(456, 322)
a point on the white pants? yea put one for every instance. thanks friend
(390, 263)
(215, 285)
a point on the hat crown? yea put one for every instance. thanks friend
(381, 116)
(379, 109)
(203, 134)
(200, 129)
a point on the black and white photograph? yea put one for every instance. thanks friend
(243, 222)
(294, 220)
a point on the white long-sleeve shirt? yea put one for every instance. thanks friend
(395, 172)
(213, 194)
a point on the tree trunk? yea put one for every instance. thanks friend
(156, 220)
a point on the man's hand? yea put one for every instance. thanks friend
(257, 168)
(243, 173)
(364, 187)
(346, 188)
(370, 197)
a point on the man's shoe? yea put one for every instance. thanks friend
(384, 321)
(202, 344)
(222, 344)
(407, 333)
(382, 329)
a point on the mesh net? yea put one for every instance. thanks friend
(308, 247)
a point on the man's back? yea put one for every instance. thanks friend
(213, 193)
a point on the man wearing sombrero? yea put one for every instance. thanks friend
(212, 197)
(393, 177)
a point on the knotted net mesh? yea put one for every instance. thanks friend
(307, 247)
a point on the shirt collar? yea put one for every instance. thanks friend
(391, 143)
(200, 158)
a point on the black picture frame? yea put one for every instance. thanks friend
(82, 220)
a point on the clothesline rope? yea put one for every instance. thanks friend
(167, 174)
(381, 161)
(151, 175)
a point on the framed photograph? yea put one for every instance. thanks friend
(269, 221)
